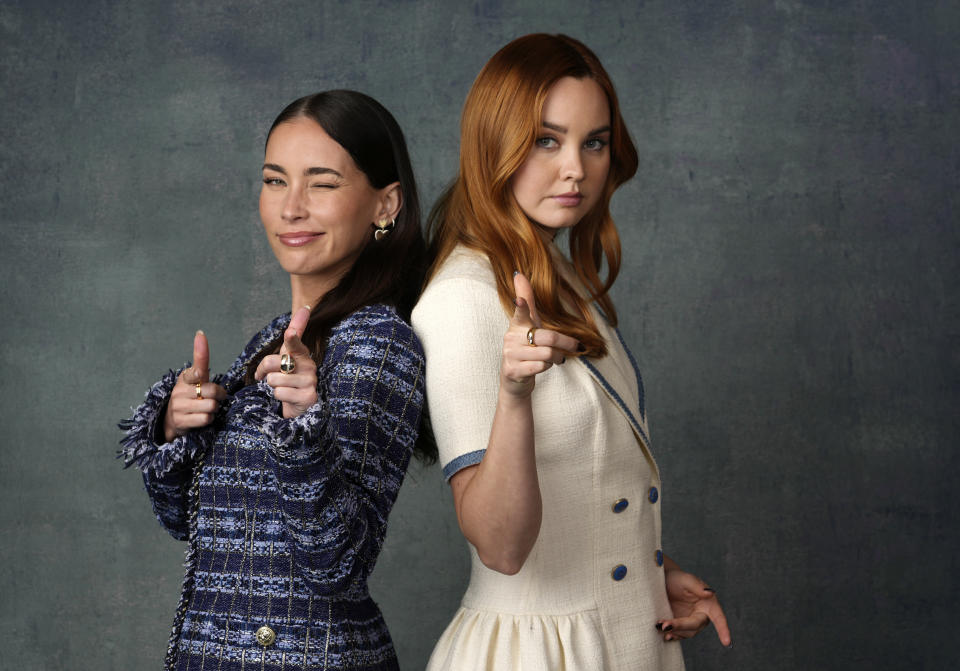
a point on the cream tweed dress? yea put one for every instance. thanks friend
(592, 589)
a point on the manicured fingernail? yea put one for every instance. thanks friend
(669, 627)
(581, 348)
(308, 307)
(659, 626)
(200, 333)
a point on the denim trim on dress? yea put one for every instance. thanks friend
(461, 462)
(616, 397)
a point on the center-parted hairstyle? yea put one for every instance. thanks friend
(500, 123)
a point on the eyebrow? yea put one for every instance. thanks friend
(308, 172)
(563, 129)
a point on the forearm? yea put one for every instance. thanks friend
(500, 507)
(170, 500)
(339, 465)
(166, 466)
(333, 527)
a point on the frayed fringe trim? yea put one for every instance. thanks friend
(304, 432)
(138, 446)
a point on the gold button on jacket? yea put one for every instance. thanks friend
(266, 636)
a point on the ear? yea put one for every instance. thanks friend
(391, 200)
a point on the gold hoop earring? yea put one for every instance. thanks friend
(383, 228)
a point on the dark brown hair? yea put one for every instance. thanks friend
(387, 271)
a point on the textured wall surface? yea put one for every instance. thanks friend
(789, 286)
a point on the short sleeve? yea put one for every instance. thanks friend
(461, 324)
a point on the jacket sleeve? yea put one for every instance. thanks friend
(167, 467)
(339, 466)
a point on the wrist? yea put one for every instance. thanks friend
(169, 434)
(512, 391)
(168, 431)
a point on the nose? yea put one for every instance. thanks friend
(293, 205)
(572, 166)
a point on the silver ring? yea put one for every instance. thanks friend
(287, 364)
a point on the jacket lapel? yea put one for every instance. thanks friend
(619, 377)
(617, 373)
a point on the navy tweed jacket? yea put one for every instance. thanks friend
(285, 517)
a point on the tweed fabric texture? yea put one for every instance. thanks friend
(285, 517)
(564, 610)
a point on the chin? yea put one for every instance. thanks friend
(566, 222)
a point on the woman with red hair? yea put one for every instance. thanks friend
(535, 401)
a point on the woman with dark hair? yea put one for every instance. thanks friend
(280, 473)
(538, 410)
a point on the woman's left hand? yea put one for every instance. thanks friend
(694, 606)
(296, 390)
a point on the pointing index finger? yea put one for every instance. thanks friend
(719, 620)
(200, 371)
(299, 319)
(291, 337)
(523, 289)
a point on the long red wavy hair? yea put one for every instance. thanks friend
(500, 123)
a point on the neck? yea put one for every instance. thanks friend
(308, 290)
(546, 234)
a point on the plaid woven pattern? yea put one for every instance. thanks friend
(285, 517)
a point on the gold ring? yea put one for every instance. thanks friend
(530, 340)
(287, 364)
(198, 385)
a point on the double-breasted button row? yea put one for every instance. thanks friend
(619, 571)
(621, 504)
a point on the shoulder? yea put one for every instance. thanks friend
(459, 317)
(465, 263)
(463, 285)
(374, 331)
(373, 356)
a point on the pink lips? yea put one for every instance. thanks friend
(298, 238)
(570, 199)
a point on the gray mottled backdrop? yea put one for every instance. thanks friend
(789, 285)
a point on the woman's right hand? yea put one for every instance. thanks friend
(187, 409)
(521, 362)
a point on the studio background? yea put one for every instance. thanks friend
(789, 287)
